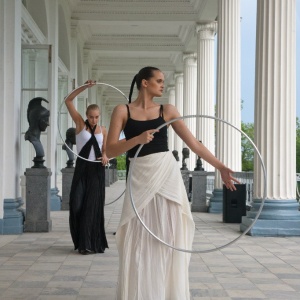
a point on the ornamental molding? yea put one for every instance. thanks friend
(31, 34)
(190, 57)
(206, 30)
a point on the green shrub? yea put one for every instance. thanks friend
(121, 162)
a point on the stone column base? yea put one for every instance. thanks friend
(55, 200)
(13, 219)
(216, 202)
(278, 218)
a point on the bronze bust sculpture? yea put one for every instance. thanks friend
(175, 154)
(68, 146)
(38, 119)
(185, 155)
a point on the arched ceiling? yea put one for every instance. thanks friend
(120, 37)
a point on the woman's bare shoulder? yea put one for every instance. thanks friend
(170, 111)
(120, 109)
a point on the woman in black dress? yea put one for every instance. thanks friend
(87, 196)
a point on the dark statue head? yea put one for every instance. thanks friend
(68, 146)
(185, 155)
(185, 152)
(38, 119)
(71, 135)
(175, 154)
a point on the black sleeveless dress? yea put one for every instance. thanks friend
(134, 128)
(87, 198)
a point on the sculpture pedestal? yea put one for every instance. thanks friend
(186, 180)
(38, 200)
(107, 177)
(67, 177)
(199, 191)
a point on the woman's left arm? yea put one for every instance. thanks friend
(184, 133)
(105, 159)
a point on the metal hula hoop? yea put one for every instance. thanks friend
(60, 134)
(243, 233)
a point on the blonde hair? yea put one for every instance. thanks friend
(92, 107)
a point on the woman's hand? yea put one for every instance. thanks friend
(104, 160)
(146, 137)
(228, 179)
(90, 83)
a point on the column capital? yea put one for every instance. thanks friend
(206, 30)
(170, 88)
(189, 57)
(178, 75)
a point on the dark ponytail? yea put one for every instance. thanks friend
(144, 73)
(131, 88)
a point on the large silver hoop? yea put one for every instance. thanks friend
(243, 233)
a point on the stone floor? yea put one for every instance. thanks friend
(44, 265)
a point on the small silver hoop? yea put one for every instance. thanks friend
(59, 131)
(59, 113)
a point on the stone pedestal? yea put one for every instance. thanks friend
(111, 176)
(115, 175)
(199, 191)
(186, 180)
(38, 200)
(107, 177)
(67, 177)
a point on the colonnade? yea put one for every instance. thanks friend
(193, 93)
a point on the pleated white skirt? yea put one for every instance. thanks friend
(148, 269)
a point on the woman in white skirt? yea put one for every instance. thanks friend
(148, 269)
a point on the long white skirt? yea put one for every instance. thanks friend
(148, 269)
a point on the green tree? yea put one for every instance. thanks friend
(247, 147)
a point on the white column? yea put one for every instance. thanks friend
(275, 120)
(73, 65)
(275, 99)
(52, 11)
(178, 144)
(206, 86)
(171, 93)
(10, 87)
(62, 92)
(190, 98)
(228, 142)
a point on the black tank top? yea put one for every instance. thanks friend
(134, 128)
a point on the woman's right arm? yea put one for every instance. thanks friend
(75, 115)
(116, 147)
